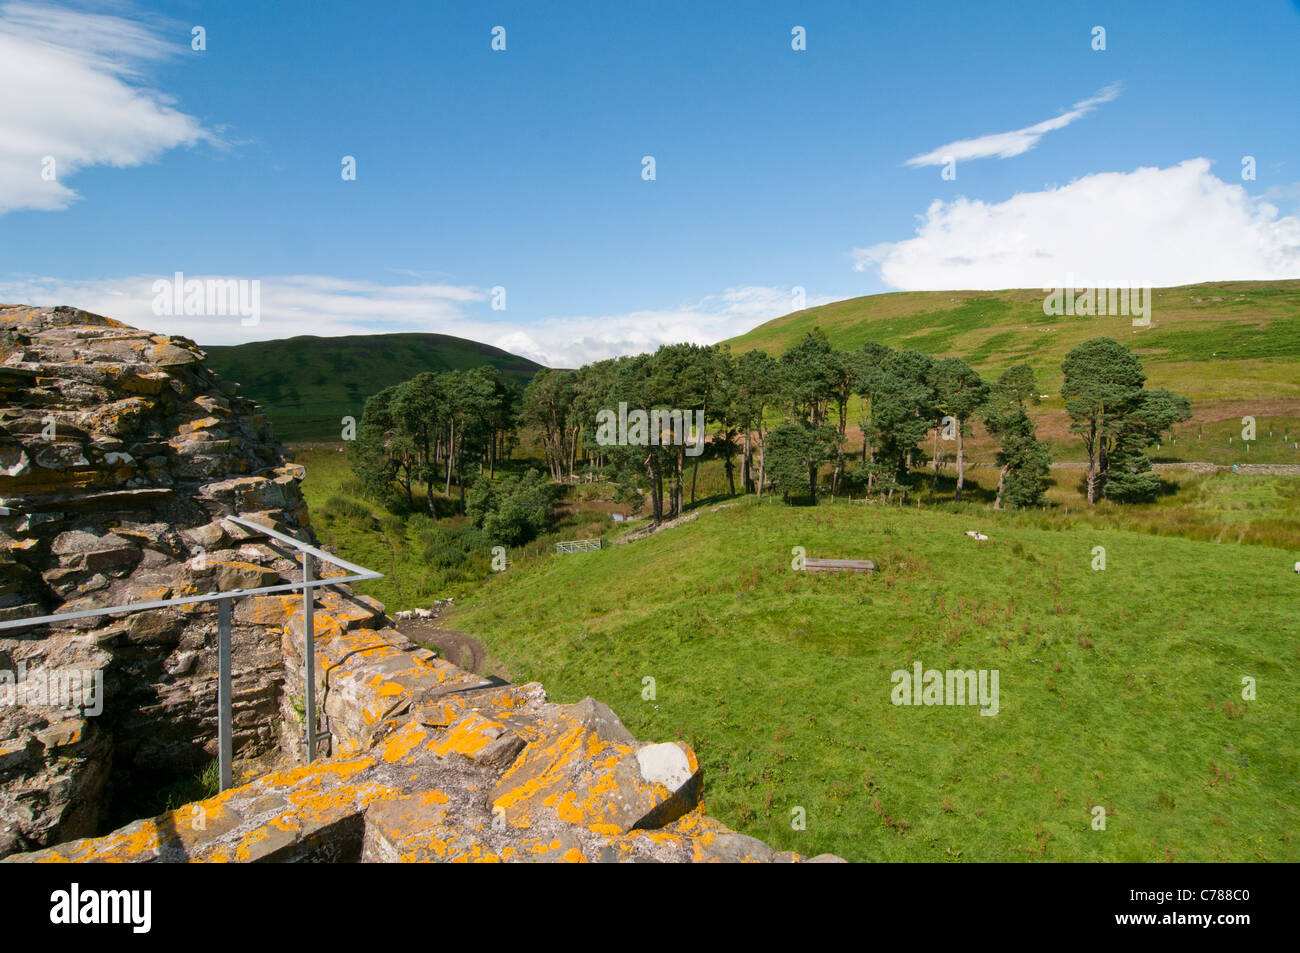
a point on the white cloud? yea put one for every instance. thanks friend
(327, 306)
(73, 91)
(576, 340)
(1007, 144)
(289, 305)
(1164, 227)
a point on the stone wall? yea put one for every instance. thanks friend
(434, 764)
(119, 454)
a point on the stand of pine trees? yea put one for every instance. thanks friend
(776, 424)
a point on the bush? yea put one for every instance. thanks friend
(629, 494)
(512, 510)
(451, 547)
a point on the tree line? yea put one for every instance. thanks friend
(776, 424)
(428, 428)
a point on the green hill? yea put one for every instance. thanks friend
(308, 384)
(1219, 340)
(1232, 347)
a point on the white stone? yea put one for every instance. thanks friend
(664, 764)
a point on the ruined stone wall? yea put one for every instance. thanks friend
(435, 764)
(119, 453)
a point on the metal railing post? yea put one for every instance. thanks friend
(225, 746)
(224, 600)
(309, 651)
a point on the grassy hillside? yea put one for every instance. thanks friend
(1232, 347)
(1225, 340)
(1120, 688)
(307, 384)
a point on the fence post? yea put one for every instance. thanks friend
(309, 651)
(225, 748)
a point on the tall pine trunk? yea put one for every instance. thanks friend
(746, 464)
(1094, 444)
(934, 482)
(961, 464)
(451, 445)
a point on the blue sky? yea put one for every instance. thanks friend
(522, 168)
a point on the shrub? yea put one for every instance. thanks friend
(512, 510)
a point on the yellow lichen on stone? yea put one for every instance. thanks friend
(468, 736)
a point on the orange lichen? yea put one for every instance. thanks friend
(403, 741)
(468, 736)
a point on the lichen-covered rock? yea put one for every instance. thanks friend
(119, 454)
(483, 773)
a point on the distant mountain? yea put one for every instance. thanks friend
(308, 384)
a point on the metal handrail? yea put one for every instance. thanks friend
(224, 599)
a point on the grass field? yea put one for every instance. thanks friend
(1118, 687)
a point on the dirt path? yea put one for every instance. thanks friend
(1274, 469)
(461, 650)
(652, 528)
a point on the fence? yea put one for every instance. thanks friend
(224, 600)
(578, 546)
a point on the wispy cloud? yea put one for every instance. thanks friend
(577, 340)
(328, 306)
(75, 95)
(1007, 144)
(1282, 193)
(1152, 226)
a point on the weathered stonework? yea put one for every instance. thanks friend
(436, 764)
(119, 454)
(424, 761)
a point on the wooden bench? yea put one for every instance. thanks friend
(838, 565)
